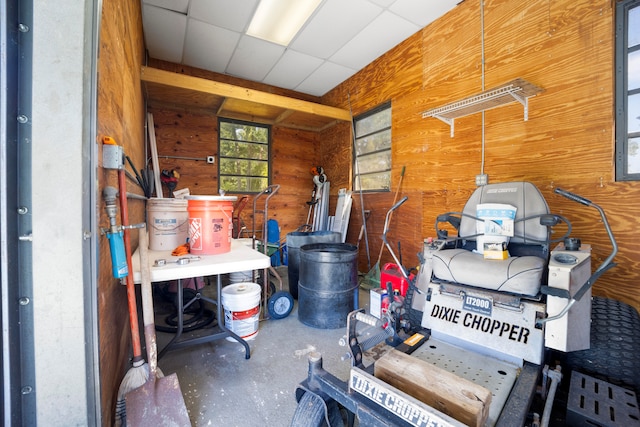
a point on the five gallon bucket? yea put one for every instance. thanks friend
(210, 224)
(328, 284)
(168, 223)
(241, 303)
(295, 241)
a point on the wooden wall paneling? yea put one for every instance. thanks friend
(564, 47)
(181, 133)
(294, 153)
(121, 116)
(188, 134)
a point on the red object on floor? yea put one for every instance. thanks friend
(391, 273)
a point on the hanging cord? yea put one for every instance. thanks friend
(482, 71)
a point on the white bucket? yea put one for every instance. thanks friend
(168, 223)
(241, 276)
(241, 303)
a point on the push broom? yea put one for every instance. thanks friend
(139, 372)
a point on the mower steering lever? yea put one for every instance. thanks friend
(604, 266)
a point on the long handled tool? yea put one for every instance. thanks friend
(139, 373)
(372, 278)
(159, 401)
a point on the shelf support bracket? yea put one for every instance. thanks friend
(450, 122)
(525, 103)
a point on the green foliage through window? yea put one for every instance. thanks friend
(373, 149)
(243, 149)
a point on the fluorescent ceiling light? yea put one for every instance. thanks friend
(278, 21)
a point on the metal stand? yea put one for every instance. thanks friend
(176, 343)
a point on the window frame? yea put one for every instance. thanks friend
(222, 120)
(622, 94)
(356, 175)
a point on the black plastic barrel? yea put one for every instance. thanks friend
(328, 284)
(295, 241)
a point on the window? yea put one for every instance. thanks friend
(373, 149)
(628, 90)
(243, 149)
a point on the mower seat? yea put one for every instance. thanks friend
(524, 271)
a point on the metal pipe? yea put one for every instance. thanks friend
(200, 159)
(556, 377)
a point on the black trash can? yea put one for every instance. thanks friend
(328, 284)
(295, 241)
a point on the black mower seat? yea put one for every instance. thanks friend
(523, 272)
(519, 275)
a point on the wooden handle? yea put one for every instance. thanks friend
(147, 303)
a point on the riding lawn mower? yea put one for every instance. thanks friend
(498, 328)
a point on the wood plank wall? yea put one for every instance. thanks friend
(121, 116)
(565, 47)
(181, 133)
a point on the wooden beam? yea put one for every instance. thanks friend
(457, 397)
(154, 75)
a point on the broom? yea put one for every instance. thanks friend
(138, 374)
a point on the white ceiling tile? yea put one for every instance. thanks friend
(164, 33)
(334, 23)
(254, 58)
(175, 5)
(292, 68)
(377, 38)
(233, 15)
(422, 12)
(209, 47)
(384, 3)
(325, 78)
(342, 37)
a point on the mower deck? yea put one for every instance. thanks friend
(493, 374)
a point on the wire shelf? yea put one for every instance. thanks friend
(518, 90)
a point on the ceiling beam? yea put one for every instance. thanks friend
(154, 75)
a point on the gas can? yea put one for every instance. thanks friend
(391, 273)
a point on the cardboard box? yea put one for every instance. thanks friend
(495, 250)
(375, 301)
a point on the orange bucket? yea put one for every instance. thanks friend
(210, 225)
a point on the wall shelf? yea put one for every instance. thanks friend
(516, 90)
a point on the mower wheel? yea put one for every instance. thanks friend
(280, 305)
(310, 412)
(614, 355)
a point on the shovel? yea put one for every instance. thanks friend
(159, 401)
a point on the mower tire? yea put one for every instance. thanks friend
(310, 412)
(614, 355)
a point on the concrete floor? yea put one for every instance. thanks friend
(222, 388)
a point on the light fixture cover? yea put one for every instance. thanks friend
(278, 21)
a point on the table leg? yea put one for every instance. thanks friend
(180, 322)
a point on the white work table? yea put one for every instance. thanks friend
(239, 258)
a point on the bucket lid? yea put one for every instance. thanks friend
(158, 201)
(240, 289)
(213, 198)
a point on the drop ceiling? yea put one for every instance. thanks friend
(340, 38)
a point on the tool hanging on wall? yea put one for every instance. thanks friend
(170, 179)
